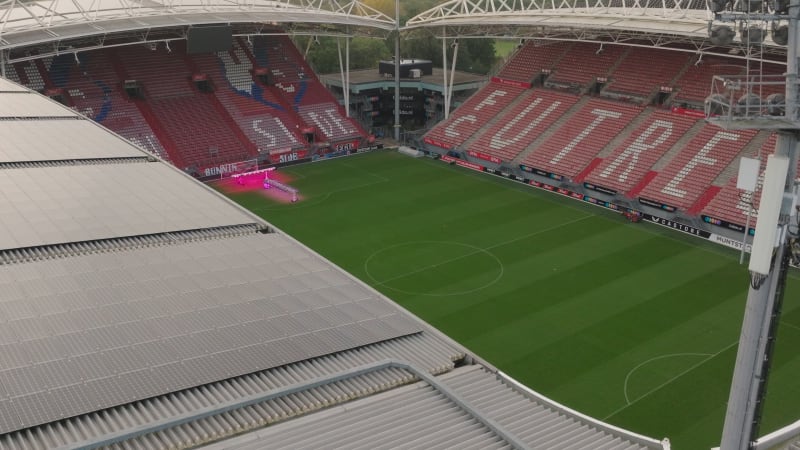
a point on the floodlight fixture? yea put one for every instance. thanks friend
(717, 5)
(776, 104)
(780, 34)
(752, 35)
(749, 104)
(721, 34)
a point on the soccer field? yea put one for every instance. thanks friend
(630, 323)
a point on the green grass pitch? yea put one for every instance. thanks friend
(630, 323)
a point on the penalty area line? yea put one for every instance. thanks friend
(668, 382)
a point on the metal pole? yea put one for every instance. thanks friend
(397, 71)
(345, 87)
(452, 74)
(444, 73)
(746, 229)
(754, 356)
(347, 74)
(2, 63)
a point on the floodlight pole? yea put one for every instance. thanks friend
(763, 308)
(397, 71)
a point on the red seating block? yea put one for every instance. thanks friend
(531, 59)
(627, 164)
(692, 170)
(522, 124)
(578, 141)
(470, 116)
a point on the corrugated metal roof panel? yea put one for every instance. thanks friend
(111, 347)
(55, 205)
(23, 140)
(15, 105)
(423, 350)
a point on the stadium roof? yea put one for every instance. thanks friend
(78, 25)
(141, 309)
(681, 25)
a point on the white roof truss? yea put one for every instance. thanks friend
(25, 23)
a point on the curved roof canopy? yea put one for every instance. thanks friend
(677, 24)
(25, 23)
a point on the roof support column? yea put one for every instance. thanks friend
(449, 87)
(397, 71)
(345, 72)
(444, 74)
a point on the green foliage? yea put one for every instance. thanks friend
(630, 323)
(324, 57)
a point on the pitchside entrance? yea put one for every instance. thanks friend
(631, 323)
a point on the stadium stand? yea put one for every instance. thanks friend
(732, 204)
(300, 88)
(520, 125)
(148, 311)
(687, 176)
(95, 91)
(695, 83)
(584, 63)
(628, 163)
(263, 116)
(640, 74)
(187, 118)
(531, 59)
(579, 140)
(478, 109)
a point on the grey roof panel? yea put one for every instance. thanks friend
(23, 140)
(423, 416)
(8, 86)
(31, 105)
(110, 346)
(51, 205)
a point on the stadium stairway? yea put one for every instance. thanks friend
(148, 115)
(222, 112)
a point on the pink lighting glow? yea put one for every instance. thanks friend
(257, 182)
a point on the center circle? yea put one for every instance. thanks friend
(434, 268)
